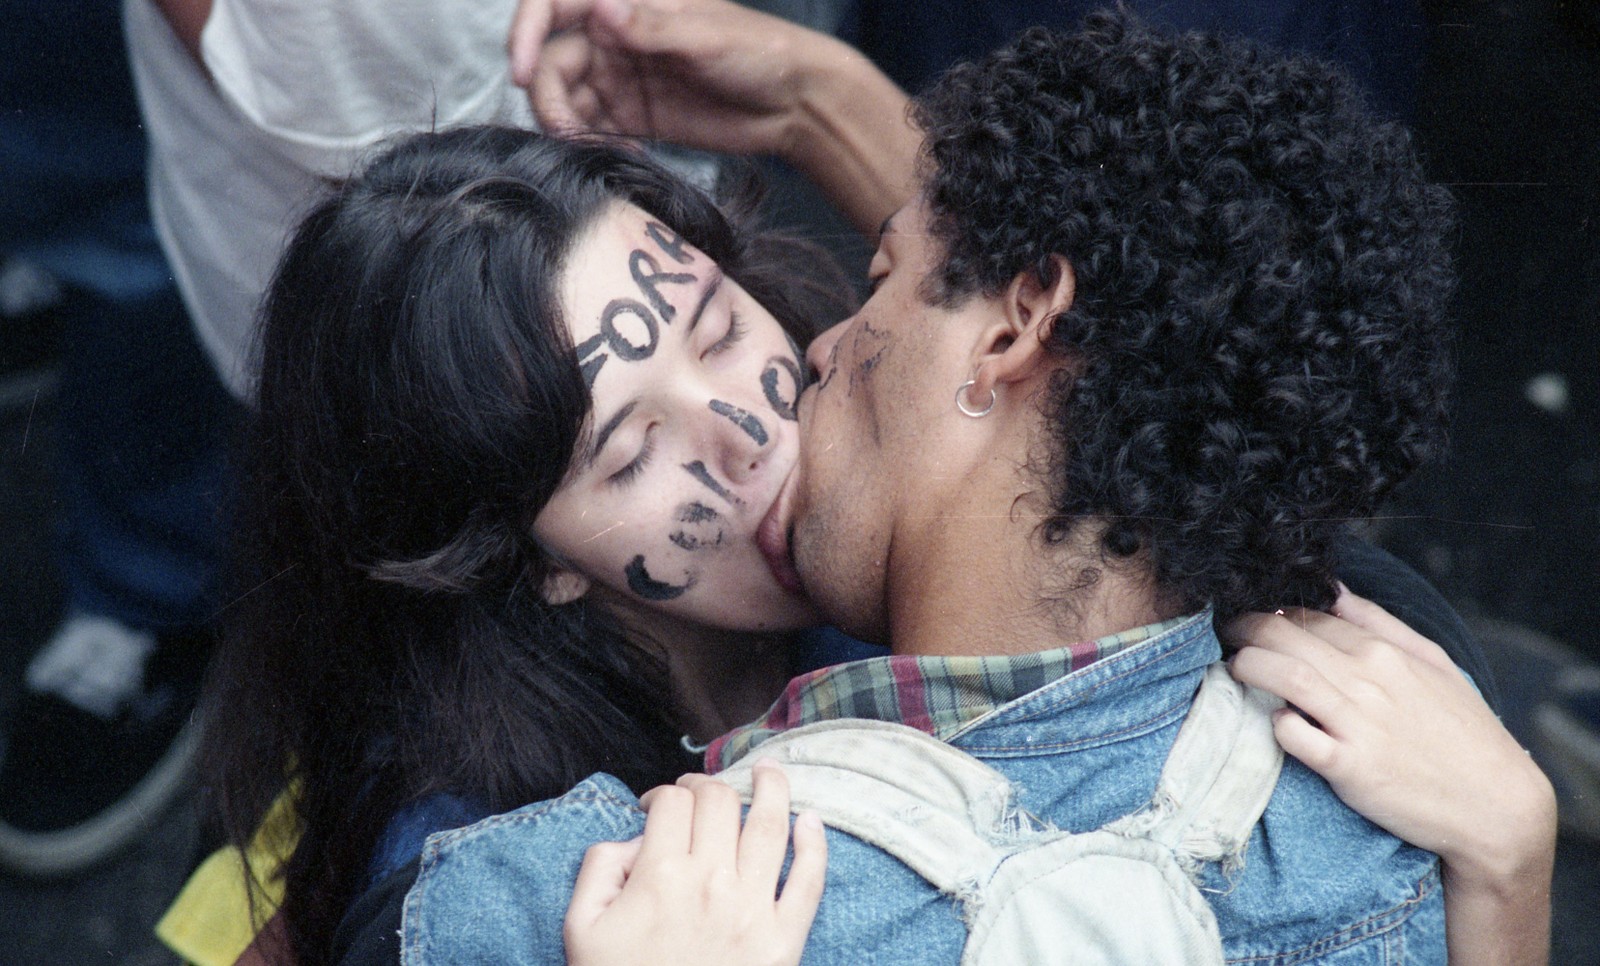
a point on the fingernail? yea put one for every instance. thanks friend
(809, 820)
(767, 761)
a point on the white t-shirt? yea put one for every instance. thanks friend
(302, 90)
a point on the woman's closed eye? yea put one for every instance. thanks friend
(736, 331)
(631, 472)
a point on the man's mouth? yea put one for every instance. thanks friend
(772, 538)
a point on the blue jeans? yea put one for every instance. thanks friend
(143, 423)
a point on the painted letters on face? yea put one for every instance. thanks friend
(697, 469)
(782, 395)
(703, 521)
(649, 282)
(626, 348)
(640, 582)
(742, 419)
(682, 459)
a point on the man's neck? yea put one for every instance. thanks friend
(979, 589)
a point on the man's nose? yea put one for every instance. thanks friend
(820, 355)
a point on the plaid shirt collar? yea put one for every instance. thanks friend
(939, 695)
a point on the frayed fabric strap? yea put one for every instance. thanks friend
(1027, 891)
(942, 812)
(1218, 777)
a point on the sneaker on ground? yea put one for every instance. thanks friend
(100, 742)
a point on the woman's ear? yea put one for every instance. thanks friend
(562, 586)
(1014, 347)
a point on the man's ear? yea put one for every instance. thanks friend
(1014, 346)
(562, 586)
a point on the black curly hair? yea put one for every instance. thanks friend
(1261, 285)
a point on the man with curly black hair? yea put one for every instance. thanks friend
(1254, 280)
(1166, 313)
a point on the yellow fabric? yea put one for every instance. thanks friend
(210, 922)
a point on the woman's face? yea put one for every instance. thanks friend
(691, 436)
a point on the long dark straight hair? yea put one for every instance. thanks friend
(418, 403)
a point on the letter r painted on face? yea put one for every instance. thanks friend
(650, 281)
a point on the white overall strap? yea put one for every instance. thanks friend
(1091, 899)
(942, 812)
(1030, 893)
(1072, 900)
(1218, 777)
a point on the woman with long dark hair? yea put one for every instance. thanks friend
(460, 579)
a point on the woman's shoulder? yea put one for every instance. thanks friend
(410, 826)
(503, 883)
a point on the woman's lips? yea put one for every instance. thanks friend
(772, 538)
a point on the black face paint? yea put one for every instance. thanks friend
(590, 359)
(865, 367)
(742, 419)
(697, 513)
(794, 347)
(689, 542)
(702, 517)
(590, 367)
(832, 366)
(698, 470)
(669, 241)
(640, 582)
(770, 384)
(628, 351)
(649, 282)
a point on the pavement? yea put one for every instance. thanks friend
(1508, 526)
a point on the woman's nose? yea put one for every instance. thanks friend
(742, 436)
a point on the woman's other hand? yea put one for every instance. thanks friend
(697, 888)
(706, 73)
(1400, 734)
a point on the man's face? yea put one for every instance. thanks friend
(692, 433)
(870, 431)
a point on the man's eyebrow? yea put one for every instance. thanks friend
(705, 299)
(592, 452)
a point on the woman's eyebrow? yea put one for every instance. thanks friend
(714, 282)
(592, 452)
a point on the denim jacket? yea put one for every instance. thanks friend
(1318, 882)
